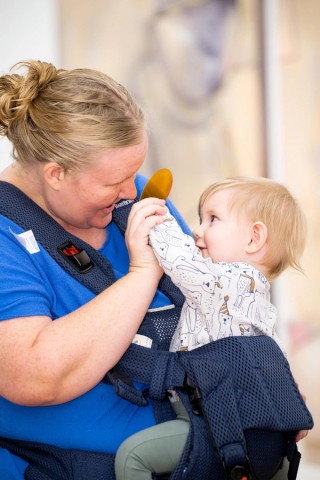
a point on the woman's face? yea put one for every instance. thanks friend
(87, 198)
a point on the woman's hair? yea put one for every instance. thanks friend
(65, 116)
(267, 201)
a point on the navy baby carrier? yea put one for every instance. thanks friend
(245, 409)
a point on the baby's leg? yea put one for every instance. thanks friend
(153, 450)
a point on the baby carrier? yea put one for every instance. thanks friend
(245, 409)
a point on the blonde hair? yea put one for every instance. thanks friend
(65, 116)
(270, 202)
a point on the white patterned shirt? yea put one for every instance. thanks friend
(222, 299)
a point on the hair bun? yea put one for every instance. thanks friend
(17, 91)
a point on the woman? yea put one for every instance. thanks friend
(78, 140)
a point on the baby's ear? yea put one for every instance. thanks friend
(259, 235)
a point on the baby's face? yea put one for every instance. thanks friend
(224, 232)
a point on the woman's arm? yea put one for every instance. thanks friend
(45, 362)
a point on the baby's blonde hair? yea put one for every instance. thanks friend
(65, 116)
(270, 202)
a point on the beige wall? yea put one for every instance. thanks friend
(301, 127)
(211, 131)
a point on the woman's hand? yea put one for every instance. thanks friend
(143, 217)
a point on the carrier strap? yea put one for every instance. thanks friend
(16, 206)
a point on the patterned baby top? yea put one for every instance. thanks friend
(222, 299)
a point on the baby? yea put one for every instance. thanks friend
(251, 230)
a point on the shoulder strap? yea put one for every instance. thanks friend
(19, 208)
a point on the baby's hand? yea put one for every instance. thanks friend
(143, 217)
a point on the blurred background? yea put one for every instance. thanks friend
(230, 87)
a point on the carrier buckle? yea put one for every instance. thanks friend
(194, 394)
(240, 473)
(76, 257)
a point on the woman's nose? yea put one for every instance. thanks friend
(128, 190)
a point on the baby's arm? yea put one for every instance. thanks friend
(169, 242)
(181, 259)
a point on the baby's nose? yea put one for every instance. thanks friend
(196, 233)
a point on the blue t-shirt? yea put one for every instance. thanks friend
(34, 284)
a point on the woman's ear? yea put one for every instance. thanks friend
(53, 174)
(259, 235)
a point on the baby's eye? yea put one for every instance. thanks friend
(213, 218)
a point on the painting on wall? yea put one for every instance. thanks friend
(185, 62)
